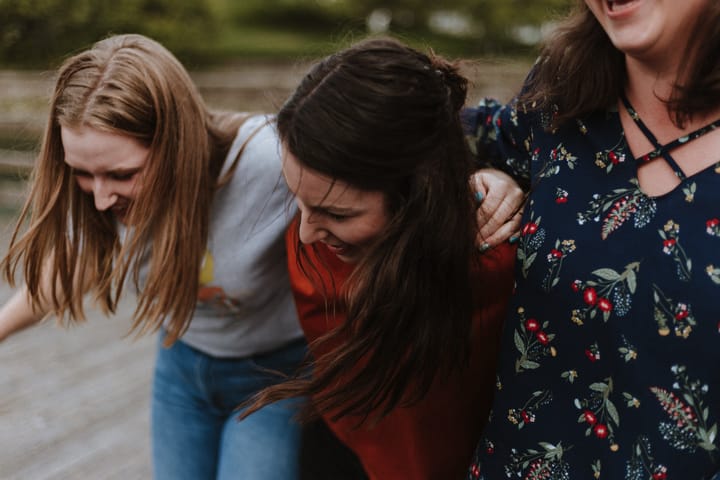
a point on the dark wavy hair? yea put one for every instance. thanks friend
(383, 117)
(580, 71)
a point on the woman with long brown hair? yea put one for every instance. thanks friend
(402, 311)
(609, 364)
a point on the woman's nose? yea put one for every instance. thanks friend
(103, 195)
(310, 231)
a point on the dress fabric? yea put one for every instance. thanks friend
(610, 352)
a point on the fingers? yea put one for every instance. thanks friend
(507, 232)
(493, 215)
(500, 202)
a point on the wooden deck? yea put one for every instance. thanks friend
(74, 404)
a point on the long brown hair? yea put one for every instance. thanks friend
(383, 117)
(580, 71)
(128, 85)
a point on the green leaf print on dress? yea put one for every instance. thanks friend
(617, 207)
(670, 235)
(712, 228)
(525, 414)
(557, 156)
(532, 238)
(539, 464)
(615, 155)
(532, 342)
(688, 427)
(555, 260)
(641, 465)
(599, 412)
(608, 292)
(669, 313)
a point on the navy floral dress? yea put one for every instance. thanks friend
(610, 364)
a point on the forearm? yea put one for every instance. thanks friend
(498, 139)
(17, 314)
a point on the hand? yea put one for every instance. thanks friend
(500, 205)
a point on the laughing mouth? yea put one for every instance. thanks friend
(617, 5)
(120, 212)
(337, 249)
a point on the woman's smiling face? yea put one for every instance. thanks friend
(649, 30)
(344, 218)
(106, 165)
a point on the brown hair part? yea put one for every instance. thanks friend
(128, 85)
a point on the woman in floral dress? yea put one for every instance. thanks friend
(609, 366)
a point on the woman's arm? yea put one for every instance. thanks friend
(492, 130)
(17, 314)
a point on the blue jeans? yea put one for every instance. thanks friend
(195, 431)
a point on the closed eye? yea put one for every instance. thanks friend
(122, 176)
(335, 214)
(337, 217)
(80, 173)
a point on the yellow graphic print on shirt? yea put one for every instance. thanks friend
(207, 269)
(209, 295)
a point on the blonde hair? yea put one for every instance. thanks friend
(133, 86)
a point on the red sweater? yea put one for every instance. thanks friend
(435, 438)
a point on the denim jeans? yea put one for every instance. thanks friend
(195, 431)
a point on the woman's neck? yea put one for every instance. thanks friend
(648, 88)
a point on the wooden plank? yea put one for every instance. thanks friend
(75, 402)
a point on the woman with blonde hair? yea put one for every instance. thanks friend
(138, 182)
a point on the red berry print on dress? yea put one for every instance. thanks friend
(555, 258)
(561, 196)
(555, 158)
(532, 341)
(712, 228)
(531, 239)
(599, 413)
(670, 235)
(672, 315)
(526, 414)
(607, 159)
(608, 292)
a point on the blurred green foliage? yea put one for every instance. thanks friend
(36, 33)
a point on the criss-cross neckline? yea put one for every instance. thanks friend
(663, 150)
